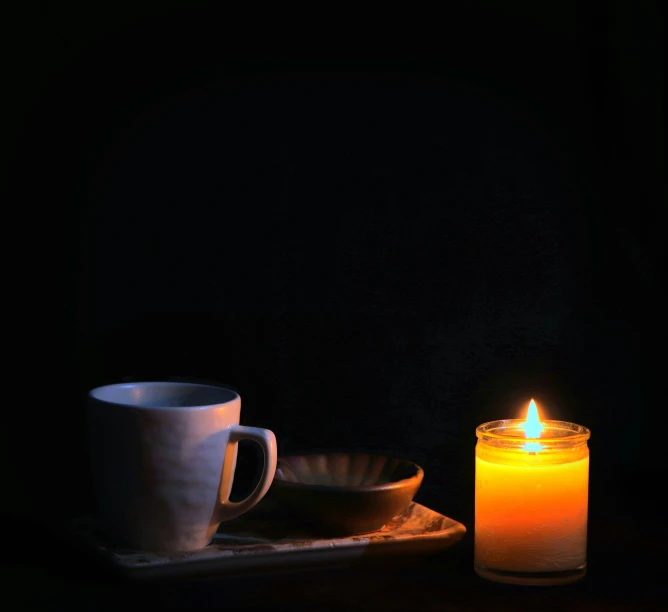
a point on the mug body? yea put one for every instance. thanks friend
(160, 456)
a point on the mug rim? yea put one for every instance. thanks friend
(92, 394)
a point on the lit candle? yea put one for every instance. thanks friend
(532, 480)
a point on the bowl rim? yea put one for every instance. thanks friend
(388, 486)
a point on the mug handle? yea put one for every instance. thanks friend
(267, 440)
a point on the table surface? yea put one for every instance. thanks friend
(626, 566)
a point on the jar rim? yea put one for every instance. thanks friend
(558, 432)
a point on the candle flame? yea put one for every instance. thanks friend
(532, 426)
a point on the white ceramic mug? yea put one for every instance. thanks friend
(163, 456)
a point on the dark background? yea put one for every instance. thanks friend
(378, 254)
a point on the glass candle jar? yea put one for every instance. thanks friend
(531, 499)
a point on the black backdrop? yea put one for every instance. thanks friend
(377, 255)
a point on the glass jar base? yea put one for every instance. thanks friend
(531, 578)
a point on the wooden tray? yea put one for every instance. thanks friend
(268, 539)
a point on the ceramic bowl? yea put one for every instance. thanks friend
(346, 493)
